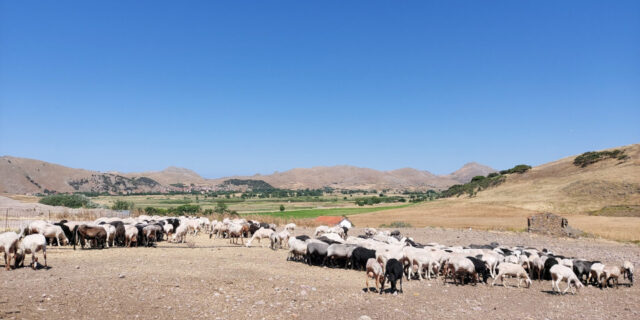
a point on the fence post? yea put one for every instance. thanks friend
(6, 220)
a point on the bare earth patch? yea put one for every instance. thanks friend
(218, 280)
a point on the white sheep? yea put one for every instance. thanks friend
(30, 245)
(596, 272)
(284, 236)
(460, 266)
(563, 273)
(260, 234)
(297, 249)
(374, 271)
(321, 230)
(8, 245)
(291, 227)
(610, 272)
(513, 270)
(130, 234)
(181, 233)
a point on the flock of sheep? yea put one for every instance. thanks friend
(387, 256)
(384, 255)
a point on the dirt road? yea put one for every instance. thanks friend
(218, 280)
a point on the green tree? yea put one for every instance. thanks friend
(281, 207)
(122, 205)
(221, 207)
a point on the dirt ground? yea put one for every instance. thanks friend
(220, 281)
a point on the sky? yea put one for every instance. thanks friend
(245, 87)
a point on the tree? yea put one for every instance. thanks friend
(281, 207)
(221, 207)
(122, 205)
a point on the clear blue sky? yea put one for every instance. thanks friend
(243, 87)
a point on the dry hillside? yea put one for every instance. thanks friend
(22, 176)
(609, 189)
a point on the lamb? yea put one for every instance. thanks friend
(564, 273)
(260, 234)
(337, 251)
(30, 245)
(374, 271)
(513, 270)
(610, 272)
(8, 245)
(393, 272)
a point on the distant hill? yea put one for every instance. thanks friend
(602, 198)
(22, 176)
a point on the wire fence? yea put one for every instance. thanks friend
(15, 218)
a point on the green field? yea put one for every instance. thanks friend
(296, 207)
(312, 213)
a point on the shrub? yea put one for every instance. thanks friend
(68, 200)
(122, 205)
(281, 208)
(221, 207)
(592, 157)
(521, 168)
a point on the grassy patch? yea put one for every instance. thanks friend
(312, 213)
(617, 211)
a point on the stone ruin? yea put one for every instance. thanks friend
(550, 224)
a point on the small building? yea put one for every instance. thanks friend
(551, 224)
(335, 221)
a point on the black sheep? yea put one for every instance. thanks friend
(582, 268)
(550, 262)
(481, 268)
(359, 257)
(393, 272)
(303, 237)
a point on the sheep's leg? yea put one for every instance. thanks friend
(568, 286)
(6, 264)
(367, 281)
(400, 284)
(382, 284)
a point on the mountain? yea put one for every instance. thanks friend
(20, 175)
(470, 170)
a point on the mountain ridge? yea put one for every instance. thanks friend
(30, 176)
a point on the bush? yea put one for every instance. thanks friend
(521, 168)
(592, 157)
(122, 205)
(281, 208)
(68, 200)
(221, 207)
(185, 209)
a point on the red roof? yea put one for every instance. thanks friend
(329, 220)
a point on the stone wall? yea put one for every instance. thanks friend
(550, 224)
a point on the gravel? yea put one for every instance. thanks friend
(219, 280)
